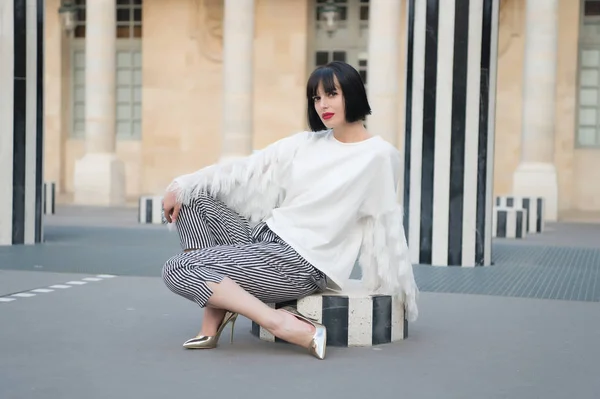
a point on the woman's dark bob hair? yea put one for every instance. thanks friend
(353, 89)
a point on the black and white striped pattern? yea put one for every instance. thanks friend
(352, 318)
(256, 259)
(49, 198)
(509, 222)
(535, 210)
(449, 138)
(21, 121)
(150, 210)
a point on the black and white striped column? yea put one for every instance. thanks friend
(49, 200)
(353, 317)
(449, 134)
(150, 210)
(21, 121)
(509, 222)
(533, 206)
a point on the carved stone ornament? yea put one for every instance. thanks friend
(208, 28)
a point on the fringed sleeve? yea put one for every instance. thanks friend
(385, 258)
(249, 185)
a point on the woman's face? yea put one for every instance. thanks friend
(330, 106)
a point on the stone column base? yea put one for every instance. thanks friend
(99, 180)
(538, 180)
(353, 317)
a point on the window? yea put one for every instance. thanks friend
(591, 8)
(129, 94)
(81, 18)
(128, 71)
(323, 57)
(587, 132)
(364, 10)
(362, 67)
(349, 41)
(588, 98)
(78, 93)
(129, 19)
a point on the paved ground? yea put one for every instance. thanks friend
(562, 263)
(482, 333)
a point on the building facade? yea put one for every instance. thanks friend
(193, 81)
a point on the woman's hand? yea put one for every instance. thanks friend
(171, 207)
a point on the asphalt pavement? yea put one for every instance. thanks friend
(86, 315)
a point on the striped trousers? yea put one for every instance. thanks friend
(255, 258)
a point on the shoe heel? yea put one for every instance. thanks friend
(205, 342)
(232, 327)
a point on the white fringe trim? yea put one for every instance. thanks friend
(385, 260)
(252, 186)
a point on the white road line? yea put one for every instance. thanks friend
(64, 286)
(23, 295)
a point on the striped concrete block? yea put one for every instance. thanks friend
(352, 318)
(449, 138)
(509, 222)
(22, 95)
(150, 210)
(49, 199)
(533, 205)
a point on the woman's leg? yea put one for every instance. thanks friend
(213, 316)
(229, 295)
(242, 278)
(208, 222)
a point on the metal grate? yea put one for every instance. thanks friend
(522, 271)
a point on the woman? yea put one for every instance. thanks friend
(292, 219)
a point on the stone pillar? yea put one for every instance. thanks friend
(536, 174)
(100, 175)
(21, 121)
(384, 30)
(449, 133)
(238, 73)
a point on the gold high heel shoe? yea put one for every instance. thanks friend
(318, 343)
(205, 342)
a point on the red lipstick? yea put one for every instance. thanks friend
(328, 115)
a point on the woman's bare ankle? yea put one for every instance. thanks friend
(289, 328)
(211, 321)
